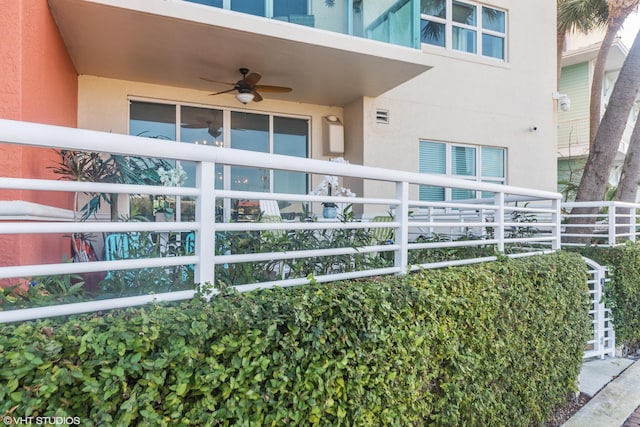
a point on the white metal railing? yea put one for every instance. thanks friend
(422, 234)
(599, 223)
(602, 342)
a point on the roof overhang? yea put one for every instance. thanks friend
(615, 59)
(175, 43)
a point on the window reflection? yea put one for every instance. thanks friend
(151, 120)
(250, 132)
(290, 137)
(214, 3)
(252, 7)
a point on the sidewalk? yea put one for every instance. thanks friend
(614, 384)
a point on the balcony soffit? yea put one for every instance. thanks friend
(175, 43)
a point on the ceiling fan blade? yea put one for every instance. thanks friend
(256, 96)
(252, 79)
(195, 126)
(224, 91)
(275, 89)
(217, 81)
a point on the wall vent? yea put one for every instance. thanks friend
(382, 117)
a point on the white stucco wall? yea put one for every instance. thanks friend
(471, 100)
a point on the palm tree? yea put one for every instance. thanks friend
(619, 10)
(628, 183)
(602, 153)
(578, 15)
(92, 167)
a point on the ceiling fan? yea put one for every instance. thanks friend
(214, 129)
(248, 87)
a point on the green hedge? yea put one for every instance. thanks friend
(622, 292)
(491, 344)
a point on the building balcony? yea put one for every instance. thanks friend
(329, 55)
(390, 21)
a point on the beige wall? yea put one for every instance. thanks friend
(578, 40)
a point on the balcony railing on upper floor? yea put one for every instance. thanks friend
(164, 260)
(390, 21)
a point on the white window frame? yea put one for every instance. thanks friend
(478, 177)
(478, 29)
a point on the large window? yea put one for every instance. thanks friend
(464, 26)
(259, 132)
(476, 163)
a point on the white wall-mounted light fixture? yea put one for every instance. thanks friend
(563, 100)
(245, 97)
(332, 135)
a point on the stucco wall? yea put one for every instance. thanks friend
(38, 84)
(471, 100)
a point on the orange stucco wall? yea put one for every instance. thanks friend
(38, 83)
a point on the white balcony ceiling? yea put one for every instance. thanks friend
(175, 43)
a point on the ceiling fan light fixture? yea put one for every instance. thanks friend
(245, 97)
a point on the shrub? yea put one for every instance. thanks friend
(622, 292)
(491, 344)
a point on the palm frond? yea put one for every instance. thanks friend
(582, 15)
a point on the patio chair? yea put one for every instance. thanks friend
(269, 208)
(381, 236)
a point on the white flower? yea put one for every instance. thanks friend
(172, 177)
(330, 185)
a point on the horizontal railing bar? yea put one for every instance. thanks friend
(260, 226)
(94, 227)
(88, 267)
(529, 224)
(254, 195)
(529, 209)
(629, 205)
(452, 263)
(90, 306)
(483, 203)
(449, 224)
(528, 254)
(94, 187)
(278, 256)
(318, 279)
(595, 216)
(457, 243)
(446, 205)
(529, 239)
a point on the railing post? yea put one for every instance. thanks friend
(556, 217)
(612, 224)
(205, 216)
(500, 217)
(632, 223)
(402, 216)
